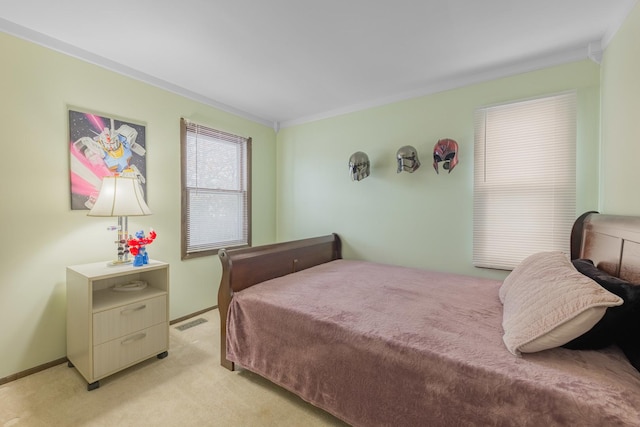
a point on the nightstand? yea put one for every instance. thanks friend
(110, 326)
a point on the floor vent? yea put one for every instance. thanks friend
(191, 324)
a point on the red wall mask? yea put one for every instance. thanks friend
(445, 150)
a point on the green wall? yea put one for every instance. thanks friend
(422, 219)
(621, 120)
(41, 235)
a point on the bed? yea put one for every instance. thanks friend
(382, 345)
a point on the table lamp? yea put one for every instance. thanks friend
(122, 197)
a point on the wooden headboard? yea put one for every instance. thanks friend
(612, 242)
(242, 268)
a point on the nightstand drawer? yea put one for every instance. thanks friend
(117, 322)
(121, 352)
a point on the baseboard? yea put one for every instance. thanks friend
(32, 371)
(56, 362)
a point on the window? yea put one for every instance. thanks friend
(524, 179)
(216, 196)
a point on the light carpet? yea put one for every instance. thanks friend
(188, 388)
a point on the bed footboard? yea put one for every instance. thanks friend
(242, 268)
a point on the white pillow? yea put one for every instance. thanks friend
(547, 303)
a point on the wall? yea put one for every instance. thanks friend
(41, 235)
(422, 219)
(621, 120)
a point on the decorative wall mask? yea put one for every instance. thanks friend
(445, 150)
(359, 166)
(407, 157)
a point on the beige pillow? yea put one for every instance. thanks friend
(547, 303)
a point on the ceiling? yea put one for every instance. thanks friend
(283, 62)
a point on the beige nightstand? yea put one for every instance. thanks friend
(109, 330)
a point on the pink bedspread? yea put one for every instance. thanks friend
(379, 345)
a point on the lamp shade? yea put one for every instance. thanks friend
(120, 196)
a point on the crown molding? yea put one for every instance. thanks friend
(594, 51)
(519, 67)
(83, 55)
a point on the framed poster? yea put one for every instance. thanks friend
(102, 146)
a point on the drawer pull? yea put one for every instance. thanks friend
(131, 310)
(134, 338)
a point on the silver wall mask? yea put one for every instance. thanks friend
(359, 166)
(407, 157)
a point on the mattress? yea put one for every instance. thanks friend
(382, 345)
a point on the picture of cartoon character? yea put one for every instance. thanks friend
(99, 147)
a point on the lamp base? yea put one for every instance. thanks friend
(123, 247)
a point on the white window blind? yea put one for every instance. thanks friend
(524, 179)
(216, 202)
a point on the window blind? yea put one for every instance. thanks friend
(524, 179)
(216, 207)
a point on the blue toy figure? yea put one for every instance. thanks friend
(138, 249)
(141, 258)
